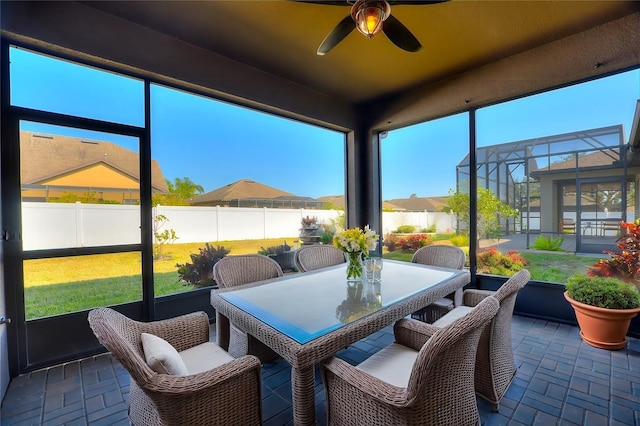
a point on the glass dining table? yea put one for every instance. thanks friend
(309, 316)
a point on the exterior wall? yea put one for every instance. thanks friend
(550, 196)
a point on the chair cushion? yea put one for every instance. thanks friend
(392, 364)
(204, 357)
(161, 356)
(453, 315)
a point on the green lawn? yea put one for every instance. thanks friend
(556, 267)
(58, 286)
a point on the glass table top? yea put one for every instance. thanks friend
(308, 305)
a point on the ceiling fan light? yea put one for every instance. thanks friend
(369, 16)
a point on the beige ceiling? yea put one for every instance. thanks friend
(281, 37)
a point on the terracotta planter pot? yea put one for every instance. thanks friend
(600, 327)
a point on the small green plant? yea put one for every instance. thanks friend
(326, 237)
(160, 238)
(199, 273)
(460, 240)
(603, 292)
(405, 229)
(430, 229)
(548, 243)
(492, 261)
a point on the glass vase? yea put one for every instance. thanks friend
(354, 266)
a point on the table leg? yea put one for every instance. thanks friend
(303, 395)
(222, 331)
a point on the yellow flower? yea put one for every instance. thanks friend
(356, 240)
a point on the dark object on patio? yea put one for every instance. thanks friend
(281, 254)
(225, 391)
(237, 270)
(318, 256)
(446, 257)
(495, 365)
(425, 378)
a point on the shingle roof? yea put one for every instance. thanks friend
(47, 156)
(242, 189)
(338, 202)
(419, 204)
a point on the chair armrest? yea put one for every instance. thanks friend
(339, 373)
(471, 297)
(412, 333)
(247, 365)
(183, 332)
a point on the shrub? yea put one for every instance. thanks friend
(412, 242)
(550, 243)
(429, 230)
(199, 273)
(405, 229)
(492, 261)
(624, 265)
(460, 240)
(326, 237)
(603, 292)
(390, 242)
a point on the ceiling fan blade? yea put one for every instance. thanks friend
(336, 35)
(400, 35)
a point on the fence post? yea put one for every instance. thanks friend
(79, 236)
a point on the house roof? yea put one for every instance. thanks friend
(243, 189)
(430, 204)
(338, 202)
(48, 156)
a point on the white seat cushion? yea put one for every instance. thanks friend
(444, 303)
(161, 356)
(453, 315)
(393, 364)
(204, 357)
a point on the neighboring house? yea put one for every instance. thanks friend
(420, 204)
(337, 202)
(54, 166)
(249, 193)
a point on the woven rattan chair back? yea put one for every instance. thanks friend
(226, 395)
(495, 364)
(231, 271)
(445, 257)
(440, 387)
(318, 256)
(440, 255)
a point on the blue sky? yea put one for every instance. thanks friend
(214, 143)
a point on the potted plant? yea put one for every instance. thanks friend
(604, 307)
(310, 232)
(281, 254)
(199, 273)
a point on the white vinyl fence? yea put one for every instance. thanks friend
(59, 225)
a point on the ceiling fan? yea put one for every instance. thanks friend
(370, 18)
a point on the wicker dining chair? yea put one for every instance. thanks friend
(231, 271)
(424, 378)
(495, 364)
(446, 257)
(318, 256)
(216, 390)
